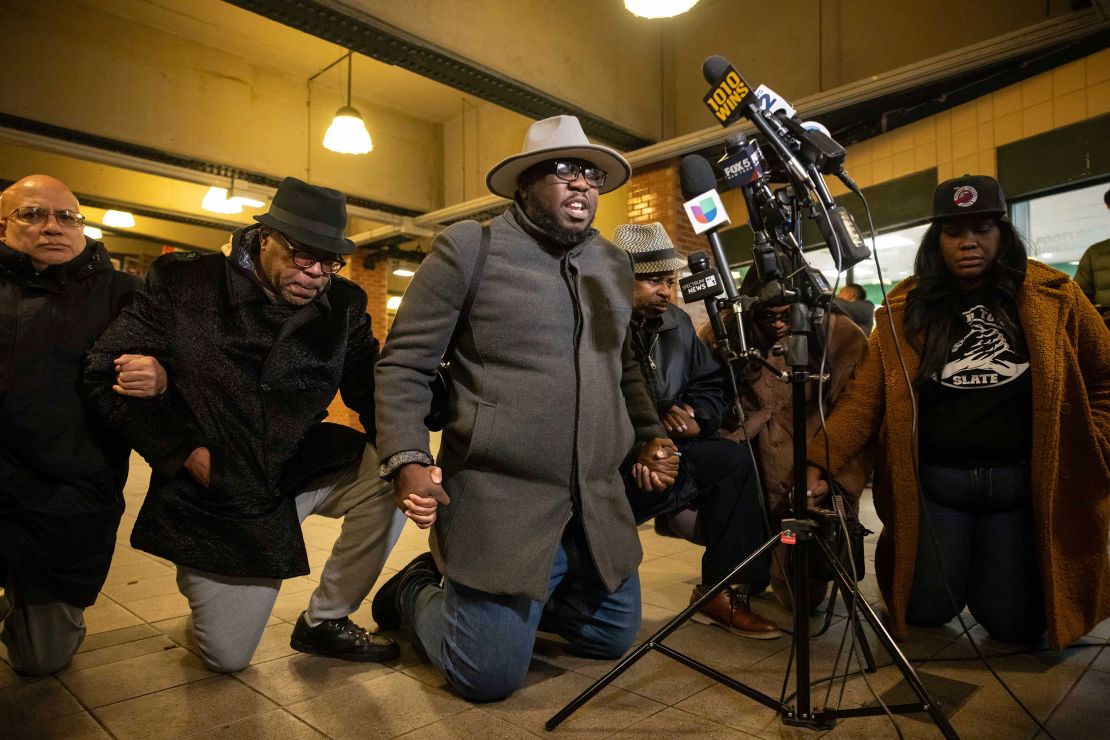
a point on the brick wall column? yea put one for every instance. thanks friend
(655, 194)
(374, 281)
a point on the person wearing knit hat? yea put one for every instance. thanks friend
(716, 477)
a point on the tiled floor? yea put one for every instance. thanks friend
(137, 677)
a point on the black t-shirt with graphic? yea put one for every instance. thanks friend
(978, 410)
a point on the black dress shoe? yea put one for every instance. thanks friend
(343, 639)
(386, 607)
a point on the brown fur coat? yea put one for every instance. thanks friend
(1069, 357)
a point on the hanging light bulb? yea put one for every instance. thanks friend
(658, 8)
(119, 219)
(216, 201)
(347, 133)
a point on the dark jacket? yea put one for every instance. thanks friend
(547, 400)
(679, 368)
(250, 380)
(61, 470)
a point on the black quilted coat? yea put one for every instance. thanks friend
(251, 381)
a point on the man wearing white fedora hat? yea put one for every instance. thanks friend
(717, 497)
(530, 524)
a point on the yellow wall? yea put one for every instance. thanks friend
(964, 139)
(146, 85)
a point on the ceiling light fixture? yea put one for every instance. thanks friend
(119, 219)
(246, 195)
(658, 8)
(393, 303)
(216, 201)
(347, 133)
(93, 233)
(402, 272)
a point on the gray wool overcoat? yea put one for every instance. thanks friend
(547, 400)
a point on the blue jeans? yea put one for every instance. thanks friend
(982, 521)
(482, 643)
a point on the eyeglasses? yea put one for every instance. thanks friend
(569, 172)
(305, 260)
(35, 216)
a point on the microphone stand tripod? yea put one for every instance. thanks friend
(803, 532)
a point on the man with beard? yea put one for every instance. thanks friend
(256, 345)
(531, 525)
(717, 487)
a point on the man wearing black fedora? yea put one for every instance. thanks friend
(256, 344)
(529, 520)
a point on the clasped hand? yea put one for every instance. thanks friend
(656, 467)
(679, 422)
(418, 491)
(139, 376)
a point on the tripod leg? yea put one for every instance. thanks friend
(652, 644)
(928, 703)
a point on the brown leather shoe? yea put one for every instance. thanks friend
(728, 609)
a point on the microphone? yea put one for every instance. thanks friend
(742, 163)
(699, 187)
(730, 98)
(703, 284)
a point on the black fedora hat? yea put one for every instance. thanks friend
(310, 215)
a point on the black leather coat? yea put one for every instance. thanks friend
(250, 380)
(679, 368)
(61, 470)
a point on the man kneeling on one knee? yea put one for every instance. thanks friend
(256, 345)
(717, 488)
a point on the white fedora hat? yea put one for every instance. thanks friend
(651, 249)
(558, 137)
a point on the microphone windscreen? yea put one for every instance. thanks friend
(696, 176)
(697, 261)
(735, 141)
(713, 68)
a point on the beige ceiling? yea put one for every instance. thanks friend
(271, 44)
(208, 80)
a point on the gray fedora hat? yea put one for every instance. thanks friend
(310, 215)
(558, 137)
(651, 249)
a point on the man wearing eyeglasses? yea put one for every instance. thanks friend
(256, 345)
(61, 470)
(531, 524)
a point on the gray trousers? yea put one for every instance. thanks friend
(230, 613)
(41, 633)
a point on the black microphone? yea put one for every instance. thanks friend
(703, 284)
(697, 179)
(742, 163)
(730, 98)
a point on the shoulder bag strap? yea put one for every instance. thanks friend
(471, 291)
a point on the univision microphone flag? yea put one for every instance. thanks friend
(706, 211)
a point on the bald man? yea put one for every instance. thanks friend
(61, 470)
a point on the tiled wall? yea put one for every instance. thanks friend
(964, 139)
